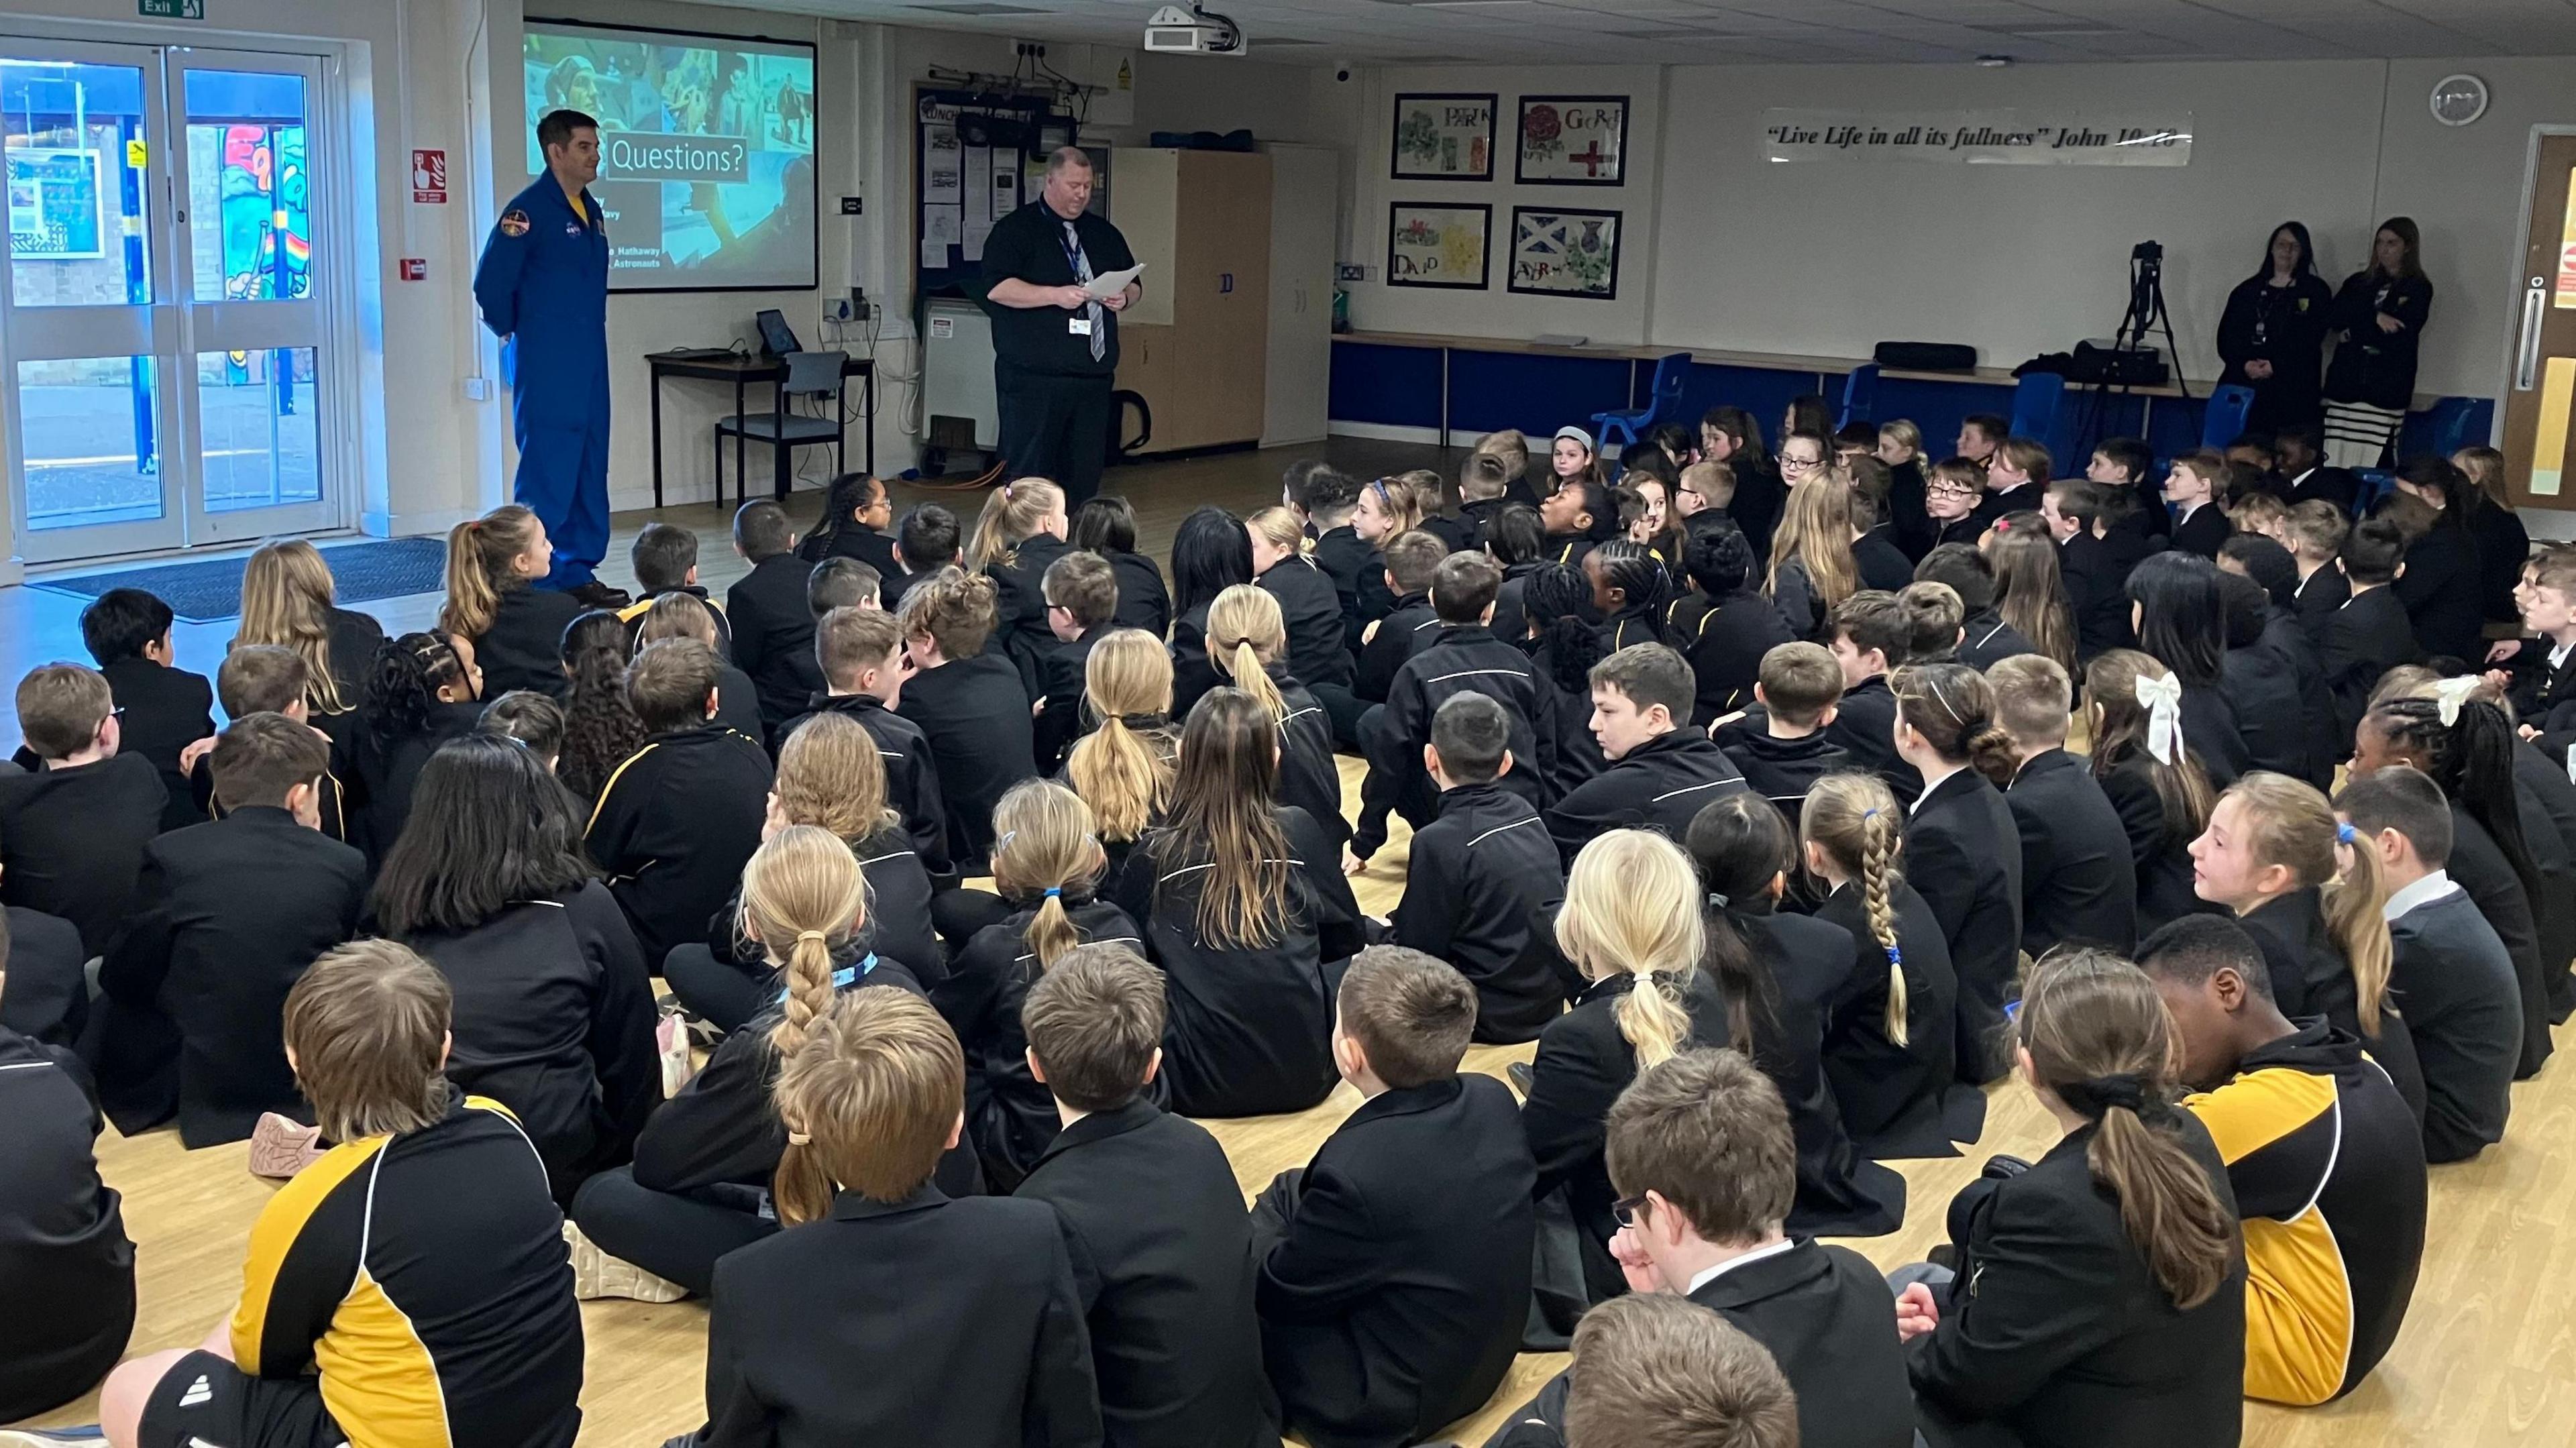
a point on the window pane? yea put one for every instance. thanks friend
(252, 237)
(92, 456)
(76, 153)
(256, 414)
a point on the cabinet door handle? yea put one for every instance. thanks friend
(2534, 299)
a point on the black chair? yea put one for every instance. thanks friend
(809, 374)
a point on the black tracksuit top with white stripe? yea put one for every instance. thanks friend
(1659, 785)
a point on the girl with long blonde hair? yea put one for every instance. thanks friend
(1247, 641)
(1047, 864)
(287, 600)
(1123, 768)
(1632, 927)
(1812, 568)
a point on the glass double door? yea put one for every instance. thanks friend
(162, 333)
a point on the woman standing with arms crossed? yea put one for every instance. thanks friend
(2378, 318)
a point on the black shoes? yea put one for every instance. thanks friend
(596, 594)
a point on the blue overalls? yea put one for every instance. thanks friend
(543, 289)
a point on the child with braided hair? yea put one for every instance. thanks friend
(423, 690)
(1889, 1051)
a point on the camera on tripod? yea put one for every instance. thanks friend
(2126, 359)
(2151, 252)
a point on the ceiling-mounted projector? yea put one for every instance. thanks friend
(1194, 31)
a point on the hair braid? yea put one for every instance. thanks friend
(1880, 837)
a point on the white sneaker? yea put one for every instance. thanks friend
(595, 1275)
(281, 1146)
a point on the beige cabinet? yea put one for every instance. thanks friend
(1196, 346)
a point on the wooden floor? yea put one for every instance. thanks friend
(2487, 1357)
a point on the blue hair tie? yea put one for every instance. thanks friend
(1869, 814)
(1896, 956)
(1055, 892)
(2344, 833)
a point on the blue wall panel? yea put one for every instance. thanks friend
(1534, 392)
(1389, 386)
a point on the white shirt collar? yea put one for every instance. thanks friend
(2434, 886)
(1731, 1263)
(2558, 654)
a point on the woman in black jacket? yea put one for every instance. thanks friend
(2273, 333)
(1244, 904)
(1047, 866)
(1792, 970)
(2099, 1300)
(2442, 586)
(1962, 844)
(554, 1001)
(2378, 321)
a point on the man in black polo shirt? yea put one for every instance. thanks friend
(1055, 347)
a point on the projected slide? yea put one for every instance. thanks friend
(706, 147)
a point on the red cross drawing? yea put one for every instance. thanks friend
(1590, 156)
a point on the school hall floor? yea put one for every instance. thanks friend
(2487, 1356)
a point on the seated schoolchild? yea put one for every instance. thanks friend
(1465, 657)
(274, 679)
(1412, 561)
(227, 916)
(1630, 589)
(856, 513)
(553, 999)
(73, 831)
(1081, 592)
(2195, 488)
(1984, 638)
(2078, 883)
(1394, 1268)
(1632, 926)
(1484, 482)
(665, 559)
(1786, 747)
(1018, 535)
(864, 668)
(1726, 628)
(1047, 865)
(1962, 848)
(425, 690)
(1329, 503)
(1106, 525)
(1243, 909)
(968, 1306)
(927, 539)
(772, 623)
(701, 1181)
(968, 703)
(2315, 537)
(44, 981)
(533, 719)
(494, 612)
(842, 583)
(601, 730)
(684, 616)
(676, 820)
(1701, 1150)
(1659, 1372)
(1311, 610)
(1483, 882)
(161, 708)
(830, 775)
(2096, 584)
(1563, 645)
(290, 600)
(450, 1315)
(1211, 552)
(1890, 1051)
(2325, 1159)
(1247, 645)
(2463, 1001)
(1781, 973)
(1662, 771)
(62, 1231)
(1123, 768)
(1168, 1283)
(1512, 538)
(2099, 1297)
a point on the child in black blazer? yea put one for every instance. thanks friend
(2370, 633)
(2077, 882)
(861, 654)
(1047, 865)
(1081, 602)
(1705, 1144)
(771, 619)
(1867, 637)
(1319, 653)
(62, 1237)
(1483, 884)
(494, 607)
(1167, 1280)
(1394, 1269)
(1106, 525)
(161, 708)
(1018, 536)
(1662, 771)
(2062, 1326)
(1890, 1052)
(1961, 846)
(2314, 533)
(73, 829)
(229, 914)
(968, 1307)
(274, 679)
(675, 822)
(2194, 488)
(1784, 746)
(968, 702)
(424, 690)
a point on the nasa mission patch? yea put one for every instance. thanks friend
(514, 223)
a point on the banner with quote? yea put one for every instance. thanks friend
(1983, 138)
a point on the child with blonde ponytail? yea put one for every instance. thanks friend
(716, 1154)
(1047, 863)
(1247, 640)
(1631, 925)
(1890, 1050)
(1123, 767)
(516, 628)
(1019, 533)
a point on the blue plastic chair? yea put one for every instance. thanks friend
(2457, 422)
(1663, 405)
(2035, 404)
(2222, 421)
(1860, 395)
(2375, 484)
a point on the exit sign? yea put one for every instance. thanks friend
(171, 9)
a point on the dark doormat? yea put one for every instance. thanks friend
(204, 591)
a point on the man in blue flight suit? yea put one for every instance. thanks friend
(543, 289)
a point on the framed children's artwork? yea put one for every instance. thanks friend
(1434, 245)
(1443, 138)
(1565, 253)
(1573, 141)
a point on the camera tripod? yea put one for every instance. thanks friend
(2146, 313)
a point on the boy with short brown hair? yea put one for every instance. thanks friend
(678, 820)
(860, 651)
(74, 827)
(1785, 749)
(1081, 592)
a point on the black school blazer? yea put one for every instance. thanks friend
(1898, 1101)
(2077, 882)
(1963, 852)
(1840, 1192)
